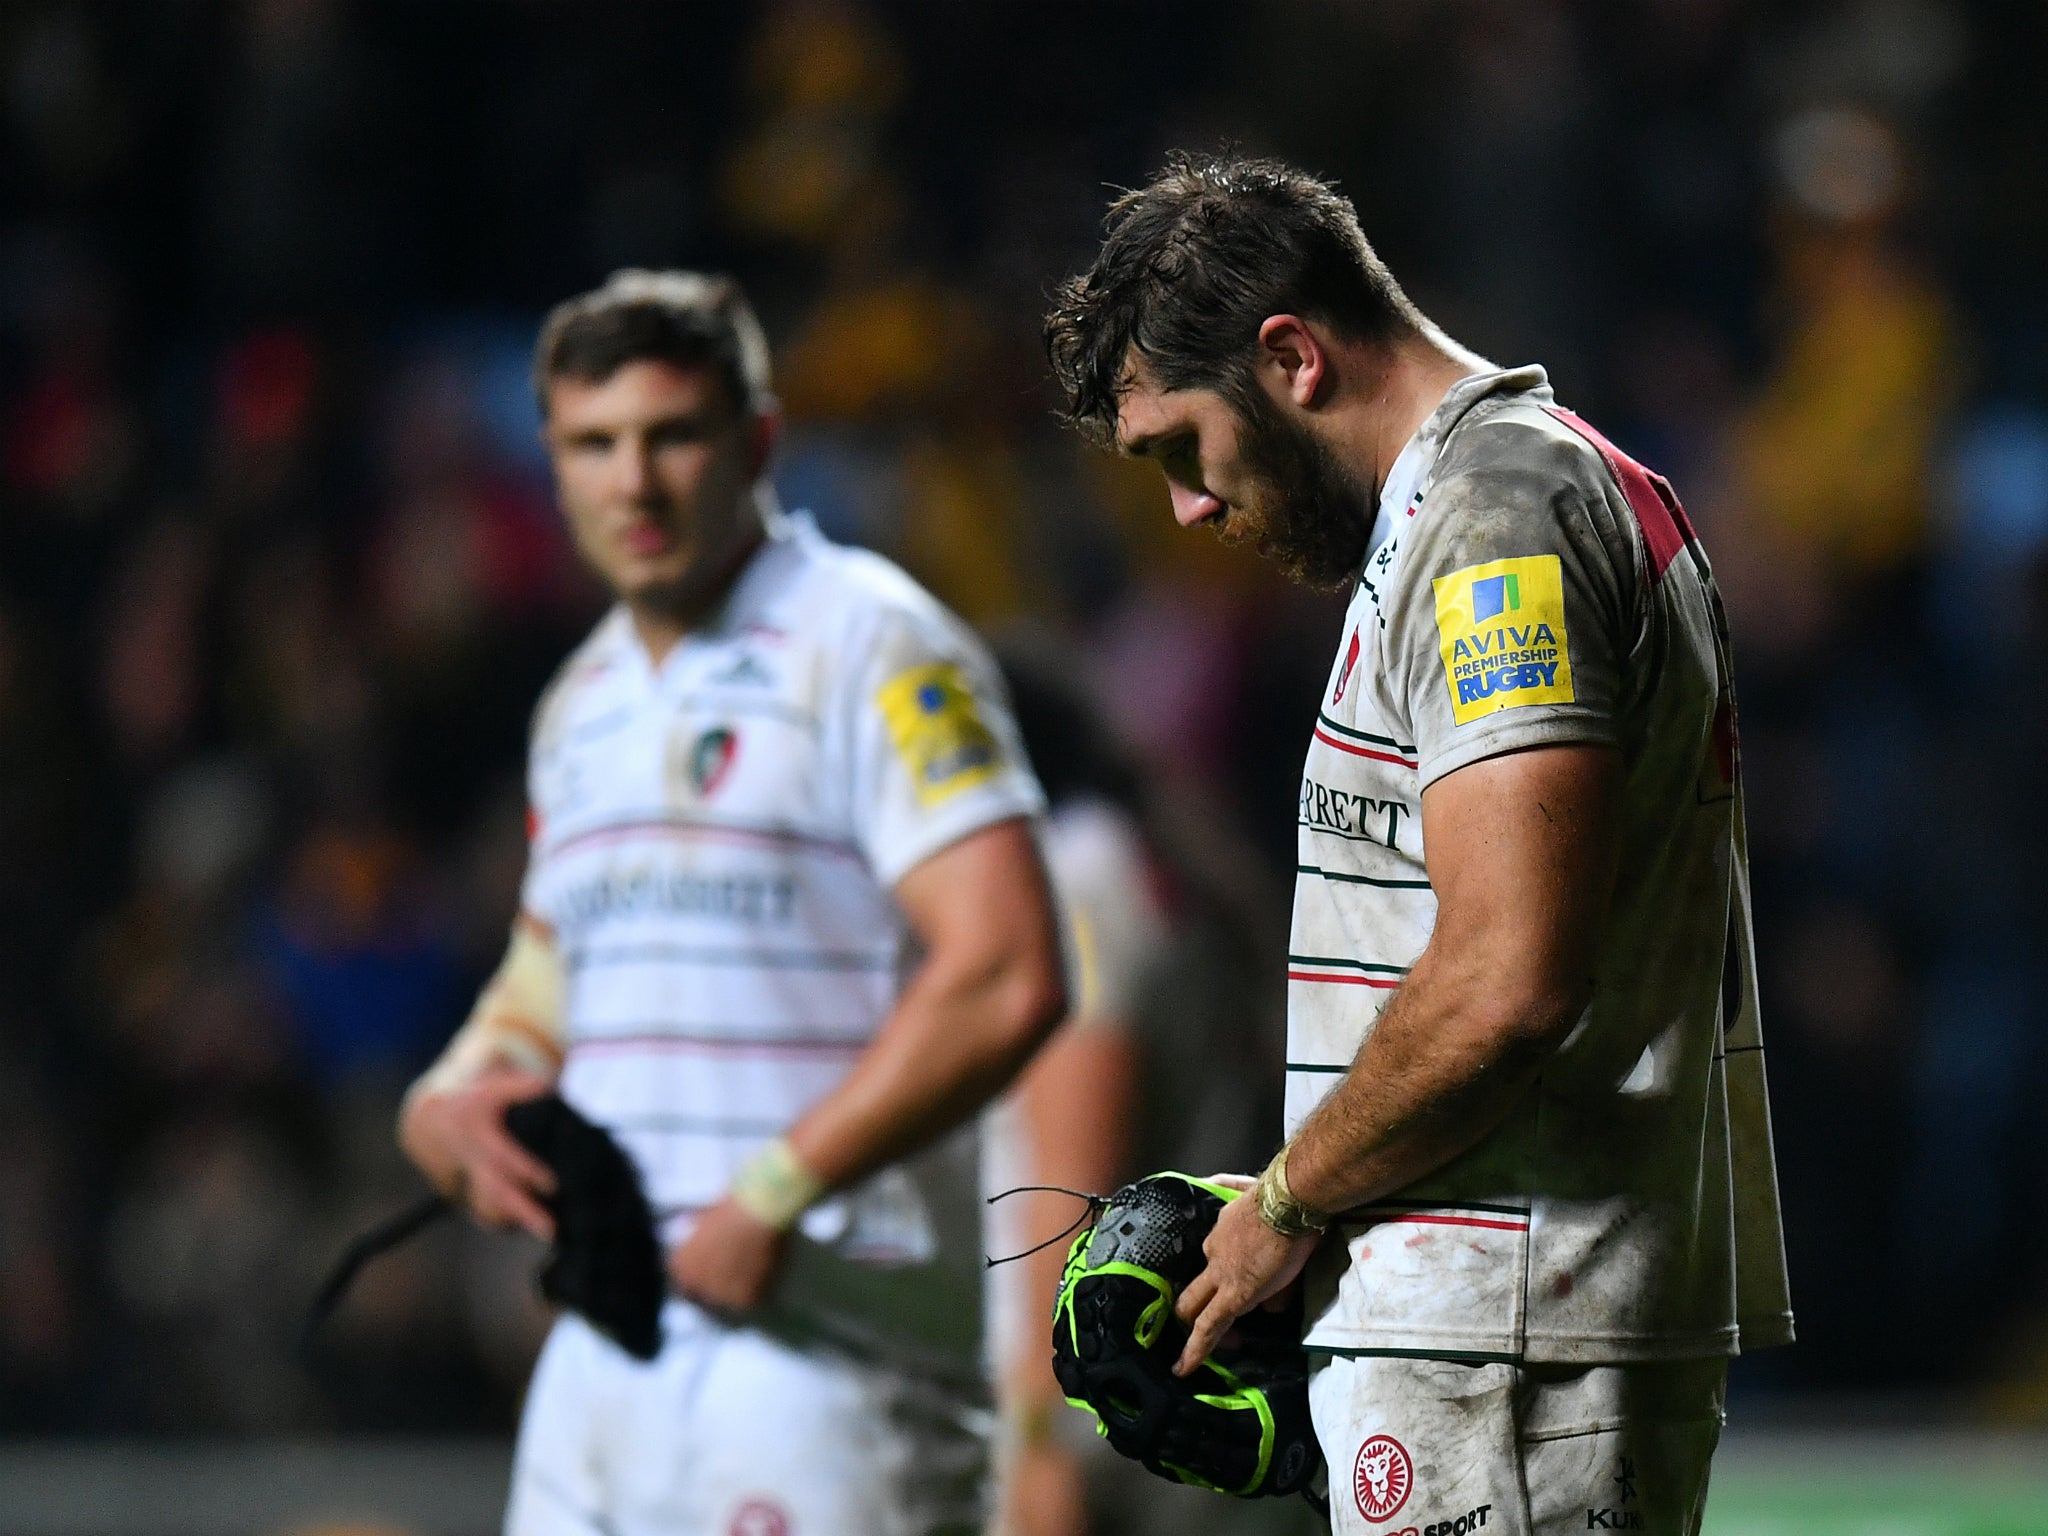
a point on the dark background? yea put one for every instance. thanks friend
(280, 577)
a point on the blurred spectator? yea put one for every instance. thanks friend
(366, 969)
(71, 442)
(305, 170)
(43, 1333)
(151, 670)
(202, 1253)
(1838, 444)
(822, 79)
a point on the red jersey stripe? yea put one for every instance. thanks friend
(1397, 1217)
(628, 831)
(1356, 751)
(1387, 982)
(1666, 529)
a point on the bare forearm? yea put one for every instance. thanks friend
(517, 1021)
(1522, 857)
(957, 1037)
(1079, 1098)
(1442, 1069)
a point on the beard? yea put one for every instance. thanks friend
(1308, 514)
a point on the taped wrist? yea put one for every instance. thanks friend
(518, 1018)
(1279, 1209)
(774, 1187)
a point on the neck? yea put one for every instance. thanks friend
(1402, 383)
(662, 619)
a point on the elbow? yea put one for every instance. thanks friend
(1531, 1021)
(1040, 1002)
(1027, 1005)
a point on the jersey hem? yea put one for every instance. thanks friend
(1624, 1348)
(1456, 1356)
(1417, 1344)
(1773, 1331)
(1537, 1348)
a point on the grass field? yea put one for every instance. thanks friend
(1789, 1482)
(1843, 1484)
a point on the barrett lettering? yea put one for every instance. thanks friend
(1359, 817)
(637, 892)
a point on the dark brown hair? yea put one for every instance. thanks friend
(687, 319)
(1193, 263)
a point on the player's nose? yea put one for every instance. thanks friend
(635, 471)
(1192, 507)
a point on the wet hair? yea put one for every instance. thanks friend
(1193, 263)
(686, 319)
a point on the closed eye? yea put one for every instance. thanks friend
(682, 430)
(1178, 447)
(1182, 453)
(1156, 445)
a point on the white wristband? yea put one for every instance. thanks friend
(774, 1187)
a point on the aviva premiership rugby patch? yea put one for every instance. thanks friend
(937, 730)
(1500, 627)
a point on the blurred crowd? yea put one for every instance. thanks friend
(280, 576)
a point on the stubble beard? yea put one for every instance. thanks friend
(1311, 517)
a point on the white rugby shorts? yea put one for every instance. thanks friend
(729, 1432)
(1435, 1448)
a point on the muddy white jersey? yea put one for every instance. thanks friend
(1529, 585)
(715, 845)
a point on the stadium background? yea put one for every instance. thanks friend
(280, 579)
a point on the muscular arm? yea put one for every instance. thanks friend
(986, 995)
(1521, 852)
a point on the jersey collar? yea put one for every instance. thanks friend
(1402, 493)
(744, 601)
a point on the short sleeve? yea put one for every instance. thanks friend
(935, 750)
(1115, 926)
(1509, 622)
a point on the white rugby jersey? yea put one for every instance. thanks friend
(1528, 585)
(715, 844)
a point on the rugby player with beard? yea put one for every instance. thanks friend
(1527, 1181)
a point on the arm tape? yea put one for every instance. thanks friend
(774, 1187)
(1278, 1206)
(517, 1020)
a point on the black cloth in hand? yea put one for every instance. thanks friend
(606, 1263)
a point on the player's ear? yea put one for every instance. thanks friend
(1289, 348)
